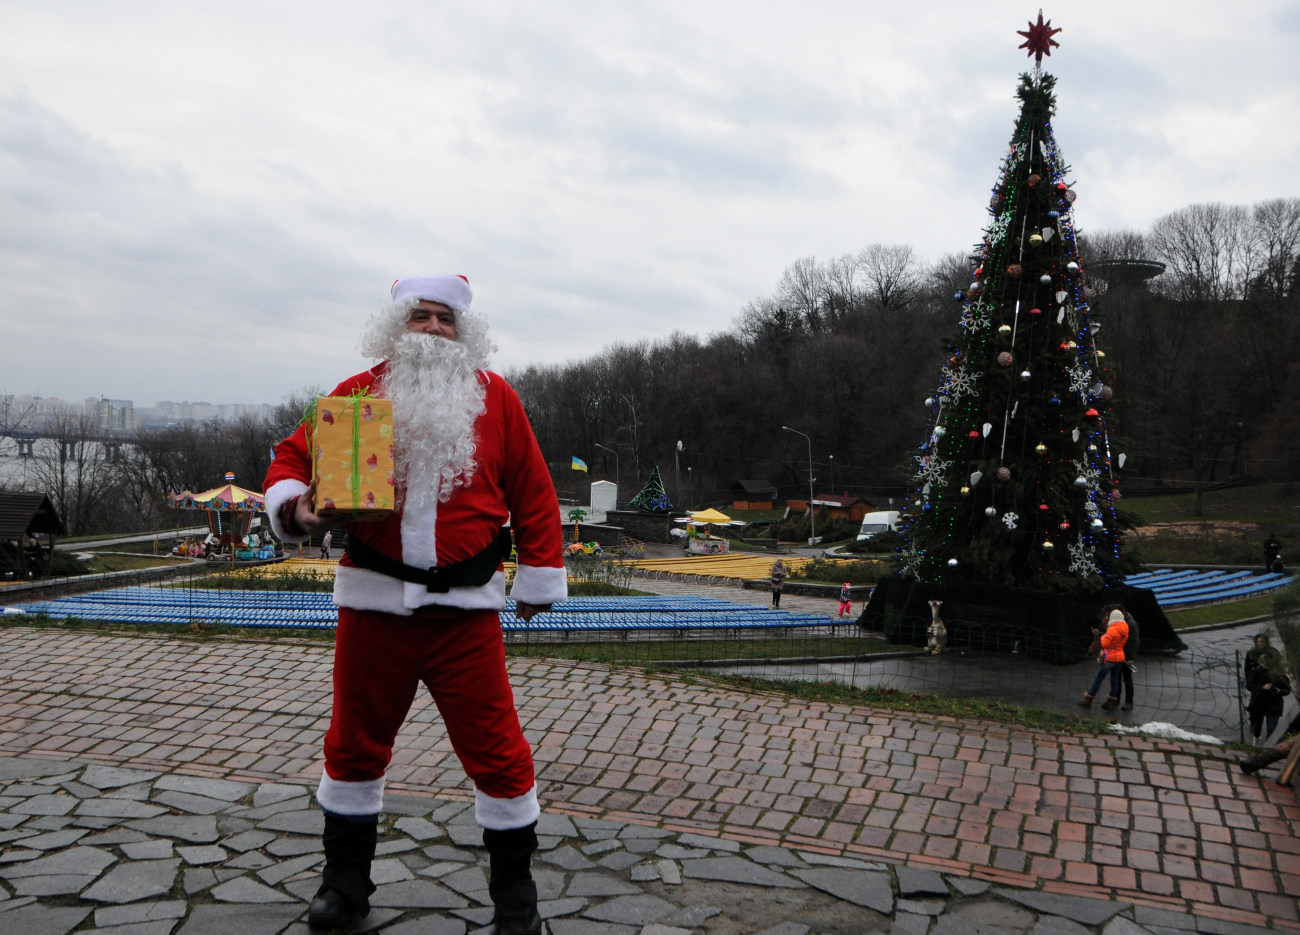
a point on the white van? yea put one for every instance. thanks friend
(880, 521)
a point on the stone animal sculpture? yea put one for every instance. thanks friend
(938, 633)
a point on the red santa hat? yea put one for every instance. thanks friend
(451, 291)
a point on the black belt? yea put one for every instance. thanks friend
(472, 572)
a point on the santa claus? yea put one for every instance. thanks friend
(419, 592)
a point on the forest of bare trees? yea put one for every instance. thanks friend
(845, 351)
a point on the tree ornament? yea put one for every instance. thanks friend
(1048, 234)
(940, 431)
(1024, 376)
(952, 563)
(973, 434)
(1092, 415)
(1034, 179)
(979, 271)
(959, 296)
(1044, 508)
(996, 203)
(1061, 186)
(1035, 241)
(1070, 196)
(1105, 392)
(1122, 458)
(1036, 312)
(929, 401)
(1072, 266)
(990, 511)
(1065, 525)
(1010, 519)
(1004, 473)
(1098, 524)
(976, 477)
(1041, 448)
(1053, 214)
(986, 428)
(1014, 270)
(1081, 482)
(1054, 401)
(1005, 359)
(1048, 545)
(965, 491)
(1004, 330)
(1045, 279)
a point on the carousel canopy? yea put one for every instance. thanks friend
(218, 499)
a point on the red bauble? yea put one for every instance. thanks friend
(974, 433)
(1035, 312)
(1005, 359)
(1091, 415)
(1043, 508)
(1004, 473)
(1014, 270)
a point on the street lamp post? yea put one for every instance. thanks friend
(812, 511)
(677, 468)
(615, 454)
(832, 457)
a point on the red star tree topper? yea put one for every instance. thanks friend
(1038, 39)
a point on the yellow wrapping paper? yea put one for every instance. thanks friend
(352, 456)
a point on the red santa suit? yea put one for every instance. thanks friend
(394, 634)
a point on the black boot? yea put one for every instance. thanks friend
(344, 894)
(511, 886)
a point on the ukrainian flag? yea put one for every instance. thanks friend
(579, 465)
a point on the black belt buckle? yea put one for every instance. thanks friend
(435, 581)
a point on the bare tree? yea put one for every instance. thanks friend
(1208, 249)
(891, 275)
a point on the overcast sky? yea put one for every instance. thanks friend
(207, 201)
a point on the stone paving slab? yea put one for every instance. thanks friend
(651, 786)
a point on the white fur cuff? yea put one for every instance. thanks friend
(505, 814)
(281, 493)
(536, 585)
(350, 798)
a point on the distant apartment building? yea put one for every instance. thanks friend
(112, 416)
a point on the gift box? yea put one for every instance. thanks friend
(352, 457)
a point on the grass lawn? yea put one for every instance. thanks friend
(1221, 613)
(1238, 505)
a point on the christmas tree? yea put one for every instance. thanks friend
(1011, 524)
(1015, 483)
(652, 498)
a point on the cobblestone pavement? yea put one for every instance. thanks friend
(156, 786)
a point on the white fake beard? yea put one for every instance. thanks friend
(436, 394)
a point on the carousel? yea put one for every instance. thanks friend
(229, 511)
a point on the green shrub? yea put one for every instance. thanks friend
(837, 572)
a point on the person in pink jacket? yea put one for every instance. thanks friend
(1112, 657)
(419, 592)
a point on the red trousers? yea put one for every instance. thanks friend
(379, 660)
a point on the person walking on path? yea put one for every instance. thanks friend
(419, 592)
(1129, 668)
(325, 544)
(778, 574)
(1111, 659)
(1268, 687)
(846, 599)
